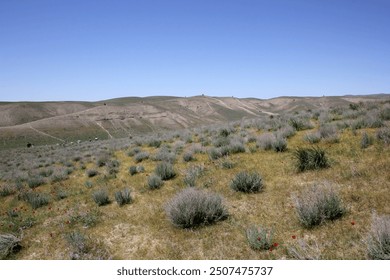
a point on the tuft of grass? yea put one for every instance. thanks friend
(247, 182)
(133, 170)
(305, 250)
(260, 238)
(192, 174)
(383, 135)
(7, 190)
(310, 159)
(366, 141)
(165, 170)
(155, 182)
(36, 200)
(85, 248)
(9, 243)
(188, 156)
(378, 240)
(318, 204)
(35, 181)
(141, 156)
(193, 208)
(312, 138)
(101, 197)
(279, 144)
(123, 197)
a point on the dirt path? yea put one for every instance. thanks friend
(45, 134)
(99, 124)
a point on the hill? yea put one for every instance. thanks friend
(64, 122)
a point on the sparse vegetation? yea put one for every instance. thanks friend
(352, 143)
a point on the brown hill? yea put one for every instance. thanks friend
(60, 122)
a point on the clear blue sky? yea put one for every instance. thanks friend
(94, 50)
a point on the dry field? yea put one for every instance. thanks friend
(49, 203)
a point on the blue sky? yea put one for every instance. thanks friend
(94, 50)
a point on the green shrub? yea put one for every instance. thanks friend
(260, 238)
(141, 156)
(383, 135)
(227, 164)
(378, 241)
(35, 181)
(300, 124)
(92, 173)
(192, 174)
(279, 145)
(192, 208)
(123, 197)
(133, 170)
(366, 141)
(188, 156)
(101, 197)
(318, 204)
(311, 158)
(154, 143)
(385, 114)
(9, 243)
(36, 199)
(312, 138)
(247, 182)
(7, 190)
(265, 141)
(236, 147)
(85, 248)
(154, 182)
(165, 170)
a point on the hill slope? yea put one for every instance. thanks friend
(61, 122)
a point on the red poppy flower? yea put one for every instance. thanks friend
(293, 236)
(270, 249)
(259, 238)
(275, 244)
(353, 223)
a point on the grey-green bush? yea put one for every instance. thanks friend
(141, 156)
(279, 144)
(165, 170)
(36, 199)
(247, 182)
(133, 170)
(7, 190)
(378, 240)
(366, 141)
(260, 238)
(8, 244)
(101, 197)
(318, 204)
(92, 173)
(193, 208)
(123, 197)
(154, 182)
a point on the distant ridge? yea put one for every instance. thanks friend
(44, 122)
